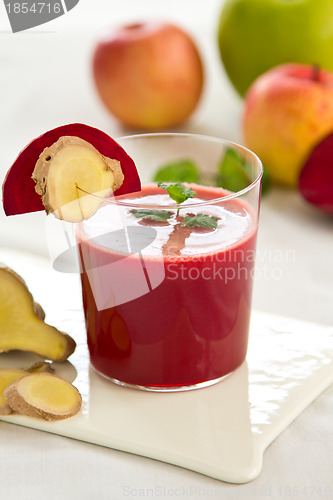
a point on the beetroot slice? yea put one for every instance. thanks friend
(18, 189)
(316, 177)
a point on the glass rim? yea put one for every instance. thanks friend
(114, 199)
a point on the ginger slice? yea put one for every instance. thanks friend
(7, 377)
(22, 326)
(69, 169)
(43, 395)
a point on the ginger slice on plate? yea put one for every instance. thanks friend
(7, 377)
(43, 395)
(22, 323)
(70, 169)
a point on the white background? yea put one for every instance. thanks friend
(46, 81)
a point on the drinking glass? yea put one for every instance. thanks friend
(167, 288)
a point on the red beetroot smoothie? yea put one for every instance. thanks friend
(193, 327)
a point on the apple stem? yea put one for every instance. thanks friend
(316, 72)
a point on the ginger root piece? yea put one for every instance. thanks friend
(38, 310)
(43, 395)
(21, 328)
(69, 169)
(7, 377)
(40, 367)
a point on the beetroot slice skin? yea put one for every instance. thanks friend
(316, 178)
(18, 190)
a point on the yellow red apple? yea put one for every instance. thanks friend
(148, 75)
(287, 111)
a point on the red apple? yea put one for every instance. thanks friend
(316, 177)
(149, 75)
(287, 111)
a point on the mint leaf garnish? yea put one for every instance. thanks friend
(146, 213)
(178, 171)
(233, 171)
(202, 220)
(178, 192)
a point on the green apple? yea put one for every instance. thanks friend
(255, 35)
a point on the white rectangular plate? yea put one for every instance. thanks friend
(220, 431)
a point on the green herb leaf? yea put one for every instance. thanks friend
(233, 171)
(202, 220)
(146, 213)
(178, 192)
(266, 182)
(178, 171)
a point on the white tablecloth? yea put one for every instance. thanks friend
(45, 81)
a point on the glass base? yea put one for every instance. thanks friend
(159, 388)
